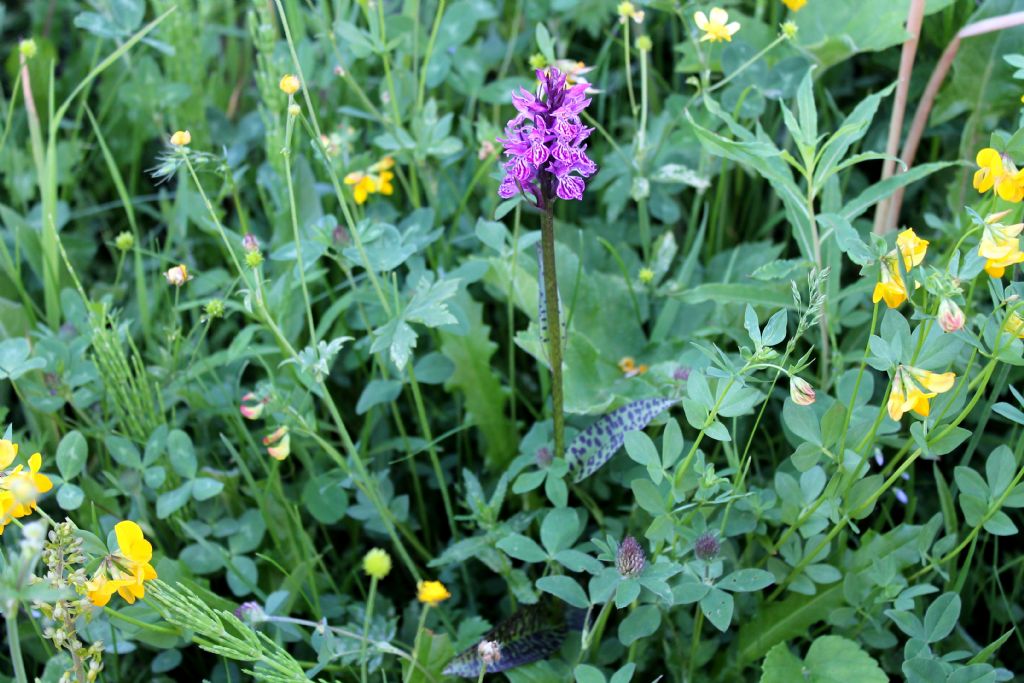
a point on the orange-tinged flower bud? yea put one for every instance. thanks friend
(801, 391)
(951, 317)
(278, 443)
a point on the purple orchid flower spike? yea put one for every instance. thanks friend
(545, 142)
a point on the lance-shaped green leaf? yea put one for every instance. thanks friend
(596, 444)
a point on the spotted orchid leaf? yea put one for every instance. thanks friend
(532, 633)
(596, 444)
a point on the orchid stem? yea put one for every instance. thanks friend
(547, 245)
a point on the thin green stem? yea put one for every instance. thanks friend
(421, 90)
(554, 331)
(14, 643)
(299, 260)
(366, 628)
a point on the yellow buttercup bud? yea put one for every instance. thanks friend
(294, 110)
(377, 563)
(28, 48)
(644, 44)
(181, 138)
(290, 84)
(124, 241)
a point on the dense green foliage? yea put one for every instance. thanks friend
(310, 327)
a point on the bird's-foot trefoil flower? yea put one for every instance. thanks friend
(716, 25)
(913, 387)
(374, 180)
(1014, 324)
(998, 171)
(545, 142)
(20, 488)
(124, 571)
(252, 406)
(912, 247)
(1000, 244)
(278, 443)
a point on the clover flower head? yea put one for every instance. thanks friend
(707, 546)
(630, 559)
(545, 142)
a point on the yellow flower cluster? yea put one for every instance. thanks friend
(1000, 245)
(998, 171)
(912, 387)
(432, 592)
(19, 488)
(376, 179)
(125, 571)
(891, 288)
(716, 25)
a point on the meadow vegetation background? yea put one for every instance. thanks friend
(538, 340)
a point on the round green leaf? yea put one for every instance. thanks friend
(72, 452)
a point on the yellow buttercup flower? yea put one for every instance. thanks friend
(178, 275)
(716, 27)
(794, 5)
(999, 172)
(19, 488)
(377, 563)
(181, 138)
(432, 592)
(125, 571)
(290, 84)
(912, 387)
